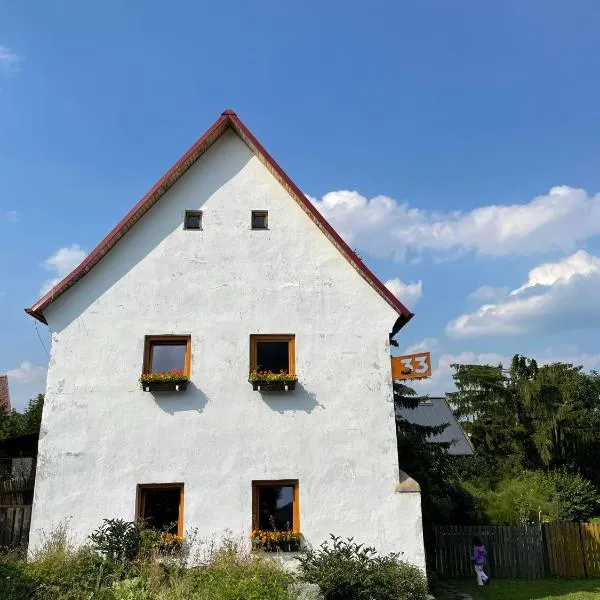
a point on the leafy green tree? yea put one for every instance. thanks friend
(14, 423)
(531, 417)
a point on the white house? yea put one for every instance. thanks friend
(222, 269)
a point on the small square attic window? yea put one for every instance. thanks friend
(260, 219)
(193, 219)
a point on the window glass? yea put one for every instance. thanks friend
(193, 219)
(168, 357)
(276, 508)
(161, 508)
(259, 219)
(272, 356)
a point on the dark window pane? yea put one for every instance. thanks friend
(168, 357)
(193, 220)
(272, 356)
(161, 508)
(259, 220)
(276, 508)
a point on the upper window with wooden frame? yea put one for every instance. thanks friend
(260, 219)
(167, 362)
(276, 515)
(273, 361)
(160, 507)
(193, 219)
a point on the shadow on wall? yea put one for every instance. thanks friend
(134, 247)
(193, 399)
(298, 400)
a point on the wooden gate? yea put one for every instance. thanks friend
(14, 526)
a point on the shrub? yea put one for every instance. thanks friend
(302, 590)
(234, 574)
(117, 540)
(61, 572)
(348, 571)
(14, 581)
(578, 497)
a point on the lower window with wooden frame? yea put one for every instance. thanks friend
(273, 362)
(160, 507)
(276, 515)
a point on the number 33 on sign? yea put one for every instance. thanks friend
(411, 366)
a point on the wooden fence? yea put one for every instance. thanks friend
(512, 551)
(555, 549)
(14, 526)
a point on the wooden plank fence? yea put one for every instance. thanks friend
(14, 526)
(555, 549)
(516, 552)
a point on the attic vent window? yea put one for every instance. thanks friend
(260, 219)
(193, 219)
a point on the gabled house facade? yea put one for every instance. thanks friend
(277, 411)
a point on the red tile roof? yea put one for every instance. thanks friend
(228, 120)
(4, 394)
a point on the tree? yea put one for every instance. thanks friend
(531, 417)
(14, 423)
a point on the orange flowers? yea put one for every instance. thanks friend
(270, 540)
(172, 539)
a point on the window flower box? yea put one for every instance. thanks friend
(267, 381)
(173, 381)
(277, 541)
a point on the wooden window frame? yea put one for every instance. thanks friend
(192, 213)
(290, 338)
(154, 486)
(258, 483)
(260, 212)
(150, 340)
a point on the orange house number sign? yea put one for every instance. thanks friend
(411, 366)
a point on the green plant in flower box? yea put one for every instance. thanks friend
(276, 540)
(174, 375)
(270, 376)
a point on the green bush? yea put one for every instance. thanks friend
(117, 540)
(534, 497)
(348, 571)
(579, 500)
(14, 581)
(234, 574)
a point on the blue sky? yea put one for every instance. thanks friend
(455, 145)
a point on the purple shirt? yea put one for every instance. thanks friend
(479, 555)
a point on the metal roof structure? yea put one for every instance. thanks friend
(433, 412)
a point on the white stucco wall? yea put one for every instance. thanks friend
(101, 435)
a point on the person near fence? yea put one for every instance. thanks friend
(478, 558)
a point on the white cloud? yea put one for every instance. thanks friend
(487, 293)
(11, 216)
(9, 60)
(407, 293)
(426, 345)
(26, 372)
(384, 227)
(62, 262)
(556, 297)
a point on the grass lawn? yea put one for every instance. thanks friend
(515, 589)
